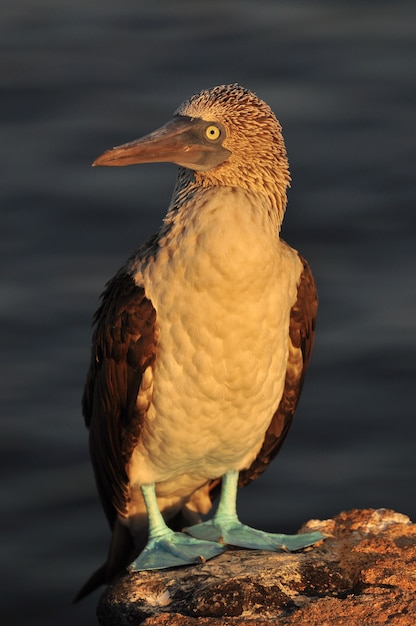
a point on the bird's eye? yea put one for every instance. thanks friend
(212, 132)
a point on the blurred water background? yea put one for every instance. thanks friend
(78, 77)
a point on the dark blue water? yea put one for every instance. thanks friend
(78, 77)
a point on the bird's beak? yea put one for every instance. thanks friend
(182, 141)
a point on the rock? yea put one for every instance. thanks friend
(363, 573)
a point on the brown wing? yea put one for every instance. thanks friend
(124, 345)
(301, 332)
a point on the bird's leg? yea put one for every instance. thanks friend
(225, 527)
(166, 548)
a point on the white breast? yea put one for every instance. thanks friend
(223, 288)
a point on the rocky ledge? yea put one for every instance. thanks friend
(363, 573)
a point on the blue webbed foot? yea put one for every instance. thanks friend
(166, 548)
(234, 533)
(173, 549)
(226, 528)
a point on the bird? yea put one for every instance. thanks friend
(200, 343)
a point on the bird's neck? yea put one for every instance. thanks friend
(191, 187)
(218, 240)
(229, 228)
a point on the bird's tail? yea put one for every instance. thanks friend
(122, 551)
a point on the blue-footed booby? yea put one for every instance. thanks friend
(201, 341)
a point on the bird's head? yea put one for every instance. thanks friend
(225, 136)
